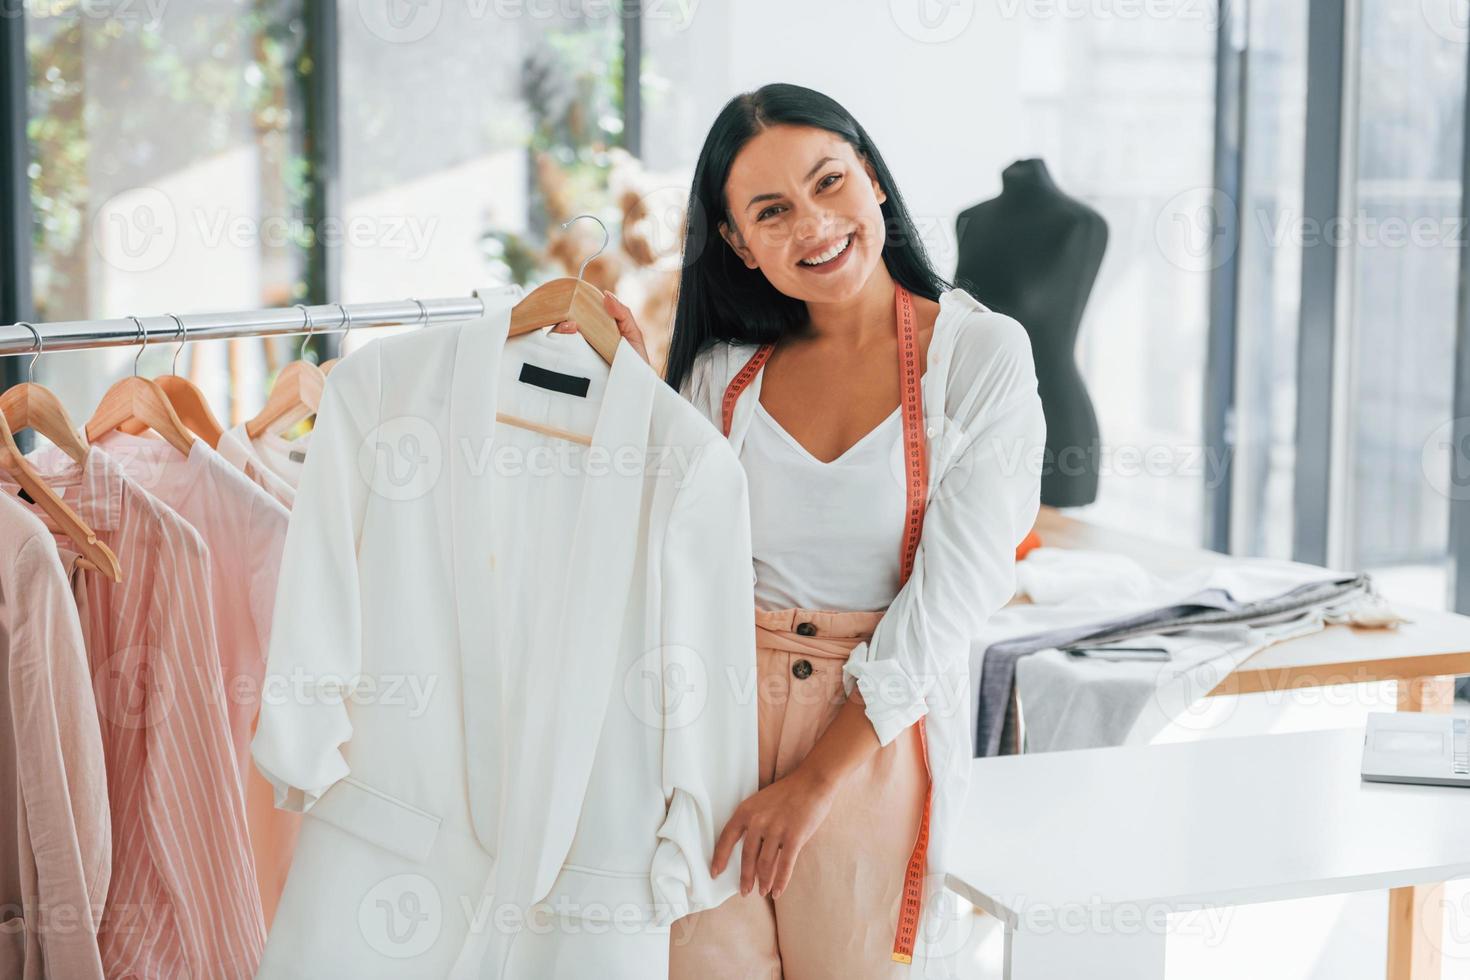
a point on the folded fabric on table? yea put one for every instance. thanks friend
(1071, 702)
(1233, 595)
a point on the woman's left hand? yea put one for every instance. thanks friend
(776, 823)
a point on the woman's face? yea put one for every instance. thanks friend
(805, 211)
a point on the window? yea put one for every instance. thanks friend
(1404, 244)
(166, 171)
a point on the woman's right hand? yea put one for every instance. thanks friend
(622, 316)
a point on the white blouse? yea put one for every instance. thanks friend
(825, 535)
(986, 438)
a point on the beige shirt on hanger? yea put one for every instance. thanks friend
(55, 832)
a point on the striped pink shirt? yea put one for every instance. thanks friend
(183, 900)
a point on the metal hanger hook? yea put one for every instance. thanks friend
(606, 237)
(183, 339)
(143, 338)
(346, 320)
(423, 312)
(310, 329)
(31, 365)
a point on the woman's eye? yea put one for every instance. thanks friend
(832, 177)
(770, 210)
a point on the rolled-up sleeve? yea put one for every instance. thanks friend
(984, 504)
(710, 742)
(316, 633)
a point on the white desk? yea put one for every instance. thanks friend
(1083, 855)
(1422, 656)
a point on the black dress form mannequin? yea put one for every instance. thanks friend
(1033, 254)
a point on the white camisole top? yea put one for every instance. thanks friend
(825, 535)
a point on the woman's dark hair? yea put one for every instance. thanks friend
(722, 300)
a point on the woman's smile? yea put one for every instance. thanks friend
(830, 257)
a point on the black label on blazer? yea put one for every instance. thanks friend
(25, 496)
(567, 384)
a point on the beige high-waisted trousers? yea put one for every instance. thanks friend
(839, 913)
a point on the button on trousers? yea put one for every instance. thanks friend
(838, 915)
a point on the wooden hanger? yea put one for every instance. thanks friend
(188, 401)
(566, 299)
(98, 556)
(31, 406)
(140, 399)
(296, 393)
(570, 299)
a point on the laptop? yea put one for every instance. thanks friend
(1416, 747)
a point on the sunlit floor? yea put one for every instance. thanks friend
(1339, 937)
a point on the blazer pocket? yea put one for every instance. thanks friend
(367, 812)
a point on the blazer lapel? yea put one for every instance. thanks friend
(570, 696)
(526, 799)
(473, 397)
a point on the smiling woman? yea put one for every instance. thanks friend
(879, 550)
(809, 182)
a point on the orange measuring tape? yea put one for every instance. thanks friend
(916, 463)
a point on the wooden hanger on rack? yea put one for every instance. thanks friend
(32, 406)
(139, 399)
(94, 554)
(296, 394)
(570, 299)
(188, 401)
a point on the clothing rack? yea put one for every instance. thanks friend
(163, 329)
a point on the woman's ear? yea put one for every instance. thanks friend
(878, 190)
(734, 239)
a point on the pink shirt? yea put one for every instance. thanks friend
(183, 900)
(244, 529)
(55, 831)
(271, 462)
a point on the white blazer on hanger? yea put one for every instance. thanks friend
(511, 677)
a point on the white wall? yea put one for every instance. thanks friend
(945, 113)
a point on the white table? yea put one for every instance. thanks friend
(1084, 855)
(1422, 656)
